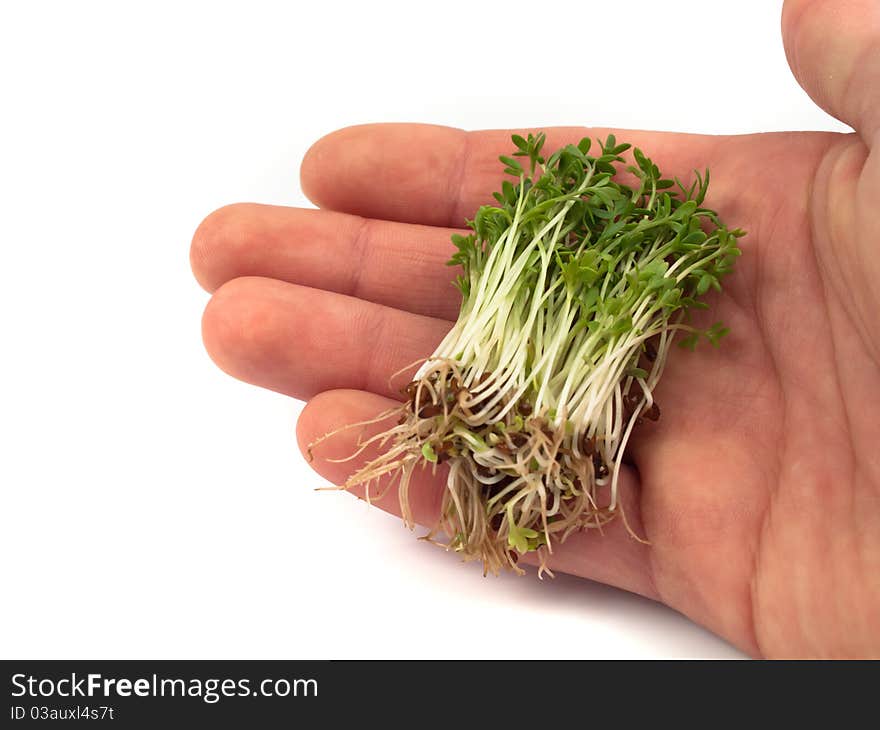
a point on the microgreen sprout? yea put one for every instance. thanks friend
(573, 287)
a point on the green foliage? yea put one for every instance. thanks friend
(428, 452)
(652, 239)
(524, 539)
(574, 285)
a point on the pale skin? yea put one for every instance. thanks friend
(759, 488)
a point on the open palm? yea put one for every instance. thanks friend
(759, 489)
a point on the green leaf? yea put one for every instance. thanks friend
(613, 305)
(590, 297)
(508, 192)
(671, 299)
(513, 166)
(704, 283)
(687, 208)
(690, 342)
(657, 267)
(428, 452)
(515, 538)
(716, 332)
(620, 326)
(522, 539)
(694, 239)
(703, 184)
(537, 541)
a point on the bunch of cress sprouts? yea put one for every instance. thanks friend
(573, 288)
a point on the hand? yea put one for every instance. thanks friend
(759, 489)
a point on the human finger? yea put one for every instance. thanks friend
(301, 341)
(399, 265)
(832, 48)
(421, 173)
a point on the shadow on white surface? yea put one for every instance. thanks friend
(450, 610)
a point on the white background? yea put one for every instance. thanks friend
(151, 506)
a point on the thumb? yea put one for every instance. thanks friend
(833, 48)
